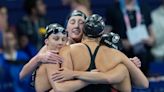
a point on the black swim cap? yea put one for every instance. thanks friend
(111, 40)
(54, 28)
(94, 26)
(77, 13)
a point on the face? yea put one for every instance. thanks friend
(56, 41)
(10, 40)
(75, 28)
(41, 7)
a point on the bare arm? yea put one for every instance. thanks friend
(66, 86)
(29, 67)
(137, 77)
(116, 75)
(43, 56)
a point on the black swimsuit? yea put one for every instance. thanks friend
(95, 87)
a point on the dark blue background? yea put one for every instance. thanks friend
(57, 13)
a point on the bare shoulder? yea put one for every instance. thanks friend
(77, 46)
(111, 50)
(64, 50)
(113, 53)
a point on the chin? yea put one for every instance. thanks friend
(77, 36)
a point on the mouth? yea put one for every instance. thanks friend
(76, 31)
(59, 47)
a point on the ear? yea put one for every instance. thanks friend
(46, 41)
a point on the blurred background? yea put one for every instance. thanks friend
(22, 28)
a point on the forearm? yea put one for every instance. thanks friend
(64, 86)
(91, 77)
(69, 86)
(113, 76)
(29, 67)
(136, 74)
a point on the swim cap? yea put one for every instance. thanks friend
(77, 13)
(94, 26)
(111, 40)
(54, 28)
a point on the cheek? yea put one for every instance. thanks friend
(64, 42)
(51, 42)
(53, 45)
(81, 27)
(70, 26)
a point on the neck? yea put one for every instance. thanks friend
(90, 40)
(70, 41)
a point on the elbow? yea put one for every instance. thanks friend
(146, 84)
(20, 76)
(60, 88)
(108, 80)
(143, 85)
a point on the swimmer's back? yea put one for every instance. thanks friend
(105, 58)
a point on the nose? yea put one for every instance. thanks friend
(60, 43)
(76, 24)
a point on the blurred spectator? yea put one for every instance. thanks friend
(3, 23)
(6, 83)
(15, 59)
(32, 27)
(158, 25)
(129, 15)
(81, 5)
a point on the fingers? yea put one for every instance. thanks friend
(50, 57)
(137, 62)
(61, 80)
(57, 72)
(57, 77)
(50, 60)
(56, 56)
